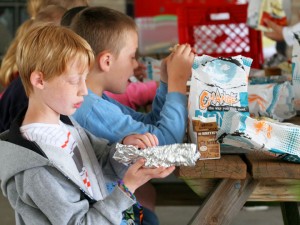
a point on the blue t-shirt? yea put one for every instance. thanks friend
(106, 118)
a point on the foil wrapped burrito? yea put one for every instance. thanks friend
(167, 155)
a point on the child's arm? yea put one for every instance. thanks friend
(167, 122)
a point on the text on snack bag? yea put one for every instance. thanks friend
(207, 98)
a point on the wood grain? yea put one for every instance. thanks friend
(229, 166)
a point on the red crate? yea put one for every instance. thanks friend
(219, 31)
(144, 8)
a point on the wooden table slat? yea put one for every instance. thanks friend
(229, 166)
(224, 203)
(269, 167)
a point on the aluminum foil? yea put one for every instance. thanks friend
(167, 155)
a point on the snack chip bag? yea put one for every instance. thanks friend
(217, 85)
(274, 138)
(259, 10)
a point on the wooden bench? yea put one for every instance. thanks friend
(227, 184)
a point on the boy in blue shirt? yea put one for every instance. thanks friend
(114, 40)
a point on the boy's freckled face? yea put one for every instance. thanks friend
(64, 94)
(124, 65)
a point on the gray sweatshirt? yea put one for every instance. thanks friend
(42, 188)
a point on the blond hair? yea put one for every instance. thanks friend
(8, 69)
(35, 6)
(103, 28)
(48, 49)
(51, 13)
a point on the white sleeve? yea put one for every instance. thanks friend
(288, 33)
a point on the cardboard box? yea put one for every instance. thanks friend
(207, 144)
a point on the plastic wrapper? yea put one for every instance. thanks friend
(273, 138)
(272, 100)
(167, 155)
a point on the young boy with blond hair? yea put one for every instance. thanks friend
(113, 37)
(51, 170)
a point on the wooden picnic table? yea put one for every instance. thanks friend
(226, 184)
(221, 187)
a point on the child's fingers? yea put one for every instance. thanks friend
(159, 172)
(137, 165)
(156, 140)
(139, 143)
(274, 26)
(166, 172)
(179, 50)
(187, 50)
(269, 23)
(153, 140)
(146, 140)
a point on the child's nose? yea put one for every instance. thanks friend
(83, 89)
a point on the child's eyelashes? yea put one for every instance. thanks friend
(76, 80)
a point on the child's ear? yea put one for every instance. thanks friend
(37, 79)
(105, 61)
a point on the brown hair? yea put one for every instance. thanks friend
(103, 28)
(48, 49)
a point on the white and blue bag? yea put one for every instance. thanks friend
(278, 139)
(217, 85)
(273, 100)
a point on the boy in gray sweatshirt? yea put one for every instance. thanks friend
(51, 170)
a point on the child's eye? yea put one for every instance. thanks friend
(74, 81)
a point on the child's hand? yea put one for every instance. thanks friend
(141, 140)
(179, 68)
(163, 70)
(276, 33)
(140, 72)
(137, 174)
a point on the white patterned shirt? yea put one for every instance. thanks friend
(58, 136)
